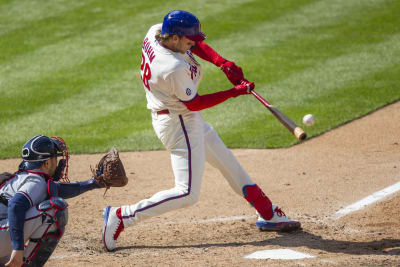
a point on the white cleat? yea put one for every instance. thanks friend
(279, 222)
(112, 227)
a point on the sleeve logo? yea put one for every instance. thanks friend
(188, 91)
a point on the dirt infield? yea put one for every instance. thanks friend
(310, 182)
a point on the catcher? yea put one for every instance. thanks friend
(33, 212)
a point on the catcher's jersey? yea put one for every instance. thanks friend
(168, 77)
(31, 185)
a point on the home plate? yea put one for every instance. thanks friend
(278, 254)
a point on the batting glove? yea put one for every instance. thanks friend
(233, 72)
(243, 89)
(250, 85)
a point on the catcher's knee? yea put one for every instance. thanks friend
(55, 211)
(62, 219)
(45, 239)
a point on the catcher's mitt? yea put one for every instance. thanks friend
(110, 171)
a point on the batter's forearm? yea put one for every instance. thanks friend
(201, 102)
(206, 52)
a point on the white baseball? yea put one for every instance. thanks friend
(308, 119)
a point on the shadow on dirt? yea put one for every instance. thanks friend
(302, 239)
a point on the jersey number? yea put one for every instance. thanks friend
(145, 72)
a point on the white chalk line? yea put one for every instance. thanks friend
(377, 196)
(60, 257)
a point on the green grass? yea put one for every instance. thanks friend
(70, 68)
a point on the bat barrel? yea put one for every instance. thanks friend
(300, 133)
(288, 123)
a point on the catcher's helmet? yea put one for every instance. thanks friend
(182, 23)
(39, 149)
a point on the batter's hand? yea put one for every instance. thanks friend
(233, 72)
(243, 88)
(250, 85)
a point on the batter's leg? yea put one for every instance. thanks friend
(185, 140)
(220, 157)
(185, 193)
(270, 217)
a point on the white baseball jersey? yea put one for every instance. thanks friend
(168, 77)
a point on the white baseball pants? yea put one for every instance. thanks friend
(191, 141)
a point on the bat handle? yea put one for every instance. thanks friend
(262, 100)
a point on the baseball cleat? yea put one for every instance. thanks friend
(279, 222)
(112, 227)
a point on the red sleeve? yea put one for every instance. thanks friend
(200, 102)
(206, 52)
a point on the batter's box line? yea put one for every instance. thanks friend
(60, 257)
(375, 197)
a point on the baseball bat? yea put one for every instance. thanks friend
(288, 123)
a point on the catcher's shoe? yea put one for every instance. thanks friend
(112, 227)
(278, 222)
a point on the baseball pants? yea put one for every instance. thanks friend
(191, 141)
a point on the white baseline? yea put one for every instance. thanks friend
(368, 200)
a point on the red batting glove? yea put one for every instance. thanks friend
(233, 72)
(243, 89)
(250, 85)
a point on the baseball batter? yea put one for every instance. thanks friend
(33, 212)
(171, 76)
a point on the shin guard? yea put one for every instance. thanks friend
(256, 197)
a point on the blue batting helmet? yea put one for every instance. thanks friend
(39, 149)
(182, 23)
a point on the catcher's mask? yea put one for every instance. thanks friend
(41, 148)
